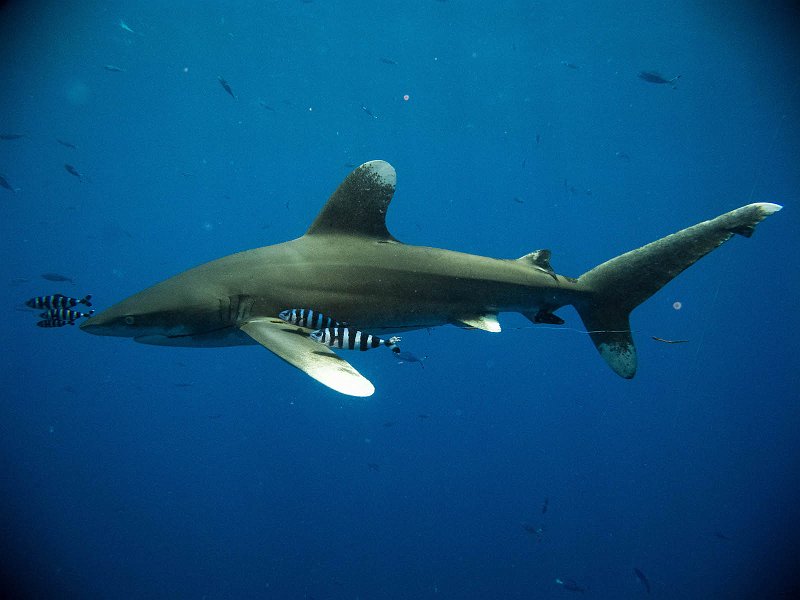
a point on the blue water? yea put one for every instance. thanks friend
(131, 471)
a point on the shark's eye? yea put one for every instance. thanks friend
(129, 320)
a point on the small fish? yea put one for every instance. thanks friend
(5, 184)
(662, 340)
(57, 277)
(369, 112)
(570, 65)
(64, 314)
(653, 77)
(348, 338)
(73, 171)
(721, 536)
(622, 156)
(226, 86)
(305, 317)
(11, 136)
(125, 27)
(407, 357)
(518, 200)
(374, 466)
(643, 578)
(537, 531)
(114, 68)
(266, 106)
(545, 504)
(423, 416)
(57, 301)
(53, 323)
(67, 144)
(388, 61)
(570, 584)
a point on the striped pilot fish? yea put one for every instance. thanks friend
(53, 323)
(310, 319)
(57, 301)
(348, 338)
(65, 314)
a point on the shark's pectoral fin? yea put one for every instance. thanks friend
(485, 322)
(294, 346)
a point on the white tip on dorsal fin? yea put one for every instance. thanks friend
(358, 206)
(486, 322)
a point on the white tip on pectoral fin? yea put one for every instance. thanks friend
(294, 346)
(485, 322)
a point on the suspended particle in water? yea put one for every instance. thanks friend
(677, 305)
(406, 97)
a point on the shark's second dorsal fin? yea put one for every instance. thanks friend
(539, 260)
(358, 206)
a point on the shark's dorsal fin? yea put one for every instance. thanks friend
(294, 346)
(358, 206)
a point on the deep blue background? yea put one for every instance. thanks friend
(132, 471)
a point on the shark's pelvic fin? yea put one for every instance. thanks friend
(486, 322)
(619, 285)
(294, 346)
(358, 206)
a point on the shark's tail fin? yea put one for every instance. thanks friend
(619, 285)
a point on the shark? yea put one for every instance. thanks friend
(348, 265)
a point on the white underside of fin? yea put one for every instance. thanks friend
(485, 322)
(294, 346)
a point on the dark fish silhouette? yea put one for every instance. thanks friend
(535, 530)
(56, 277)
(406, 357)
(73, 171)
(5, 184)
(374, 466)
(665, 341)
(11, 136)
(571, 585)
(721, 536)
(67, 144)
(545, 505)
(653, 77)
(643, 578)
(570, 65)
(388, 61)
(369, 112)
(226, 86)
(114, 68)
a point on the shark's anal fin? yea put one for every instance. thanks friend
(294, 346)
(485, 322)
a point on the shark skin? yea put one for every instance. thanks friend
(348, 265)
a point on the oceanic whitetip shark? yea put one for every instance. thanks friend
(348, 265)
